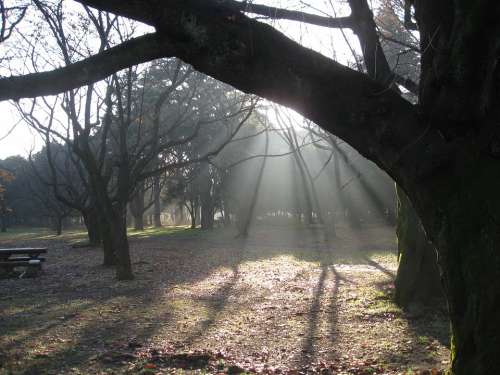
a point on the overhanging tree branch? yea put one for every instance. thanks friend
(84, 72)
(291, 15)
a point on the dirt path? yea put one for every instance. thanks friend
(280, 302)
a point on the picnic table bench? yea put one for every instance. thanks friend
(28, 257)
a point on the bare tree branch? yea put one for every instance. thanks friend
(292, 15)
(87, 71)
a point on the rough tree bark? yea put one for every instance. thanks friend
(418, 279)
(113, 215)
(109, 258)
(91, 221)
(120, 244)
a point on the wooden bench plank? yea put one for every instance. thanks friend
(13, 259)
(24, 250)
(28, 263)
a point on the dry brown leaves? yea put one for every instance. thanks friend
(280, 302)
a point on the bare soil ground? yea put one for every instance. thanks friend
(281, 301)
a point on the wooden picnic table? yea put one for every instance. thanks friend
(30, 251)
(22, 256)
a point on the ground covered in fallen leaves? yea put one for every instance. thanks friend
(284, 300)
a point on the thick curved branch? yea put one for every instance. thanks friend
(291, 15)
(147, 11)
(87, 71)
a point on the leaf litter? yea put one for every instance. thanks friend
(280, 302)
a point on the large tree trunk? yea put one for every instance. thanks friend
(91, 221)
(104, 216)
(465, 227)
(207, 213)
(418, 279)
(120, 244)
(109, 255)
(109, 258)
(458, 196)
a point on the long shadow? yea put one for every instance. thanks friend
(333, 318)
(217, 301)
(428, 321)
(424, 331)
(380, 267)
(307, 351)
(35, 325)
(164, 266)
(88, 343)
(326, 258)
(36, 328)
(78, 344)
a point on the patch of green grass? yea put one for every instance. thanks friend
(22, 233)
(382, 303)
(76, 235)
(27, 233)
(70, 235)
(423, 340)
(152, 232)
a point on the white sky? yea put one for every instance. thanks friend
(20, 139)
(16, 138)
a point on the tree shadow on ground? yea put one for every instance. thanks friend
(216, 302)
(77, 299)
(429, 320)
